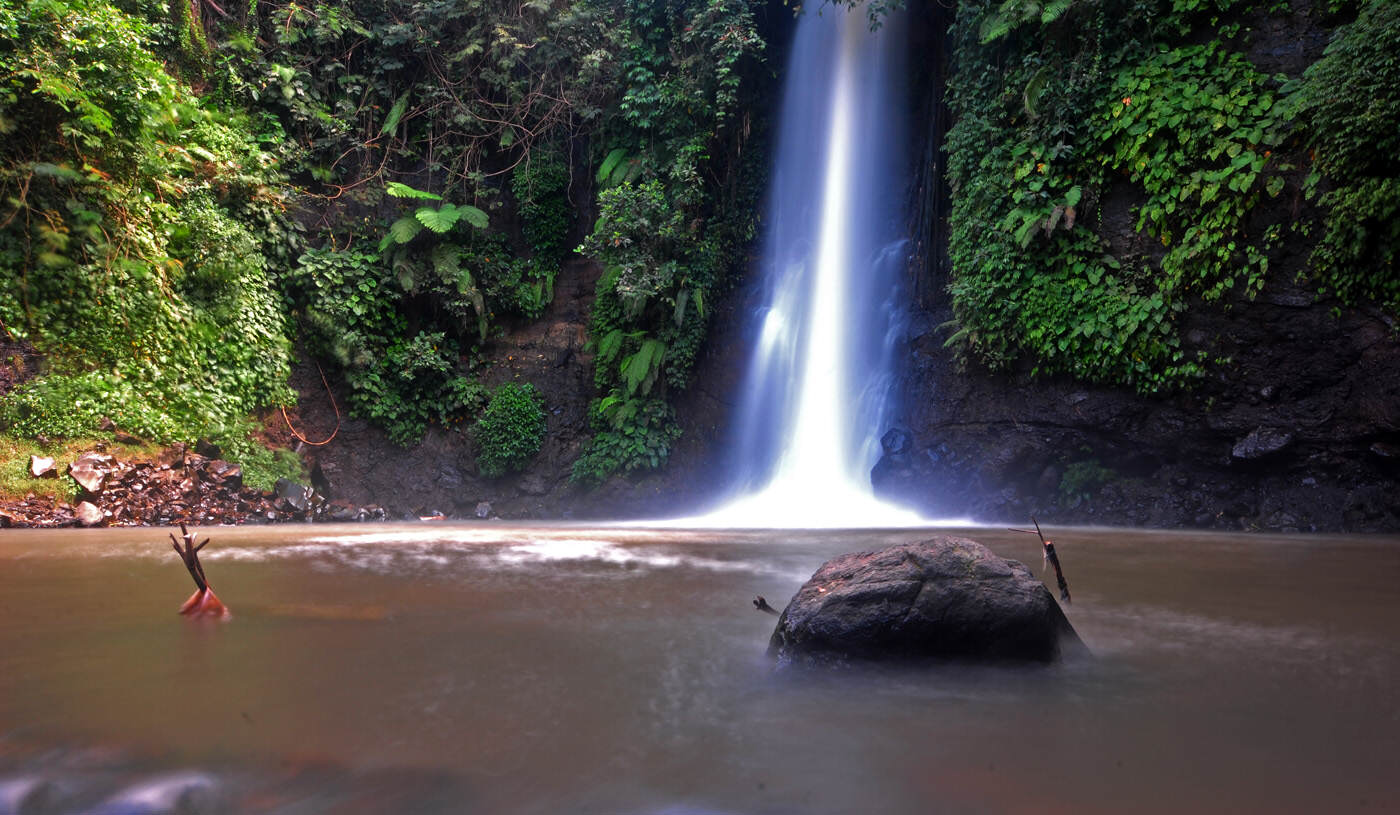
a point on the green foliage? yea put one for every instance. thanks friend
(1049, 126)
(440, 219)
(349, 305)
(411, 383)
(262, 466)
(140, 221)
(1082, 479)
(669, 227)
(510, 430)
(1195, 127)
(128, 250)
(1349, 105)
(457, 92)
(629, 435)
(541, 190)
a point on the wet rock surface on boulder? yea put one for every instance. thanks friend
(946, 598)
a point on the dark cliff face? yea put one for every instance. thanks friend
(1299, 430)
(439, 474)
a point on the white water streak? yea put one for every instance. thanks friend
(828, 319)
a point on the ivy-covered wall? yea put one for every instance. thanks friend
(1170, 295)
(1071, 112)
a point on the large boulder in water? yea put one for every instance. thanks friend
(946, 598)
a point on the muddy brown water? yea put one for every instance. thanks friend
(554, 669)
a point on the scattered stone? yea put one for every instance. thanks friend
(122, 437)
(343, 511)
(897, 442)
(938, 599)
(179, 487)
(296, 496)
(224, 473)
(1261, 442)
(90, 470)
(1382, 449)
(87, 514)
(42, 467)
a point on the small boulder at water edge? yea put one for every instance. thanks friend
(946, 598)
(87, 514)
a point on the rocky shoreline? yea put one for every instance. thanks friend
(180, 486)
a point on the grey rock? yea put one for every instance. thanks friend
(87, 514)
(483, 510)
(938, 599)
(42, 467)
(90, 470)
(297, 496)
(1261, 442)
(897, 441)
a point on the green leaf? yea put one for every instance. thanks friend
(447, 261)
(391, 122)
(639, 370)
(609, 345)
(474, 295)
(1054, 10)
(609, 163)
(398, 190)
(405, 276)
(682, 300)
(466, 284)
(404, 229)
(439, 220)
(474, 216)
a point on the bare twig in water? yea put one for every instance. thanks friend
(762, 605)
(1050, 558)
(203, 602)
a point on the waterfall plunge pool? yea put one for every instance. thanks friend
(547, 669)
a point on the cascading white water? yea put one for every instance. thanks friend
(817, 395)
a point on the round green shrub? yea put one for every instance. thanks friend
(510, 430)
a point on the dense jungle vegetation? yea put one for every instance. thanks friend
(188, 191)
(191, 188)
(1069, 110)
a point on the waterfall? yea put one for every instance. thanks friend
(818, 391)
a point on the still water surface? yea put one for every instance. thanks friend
(552, 669)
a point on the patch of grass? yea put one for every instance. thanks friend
(16, 483)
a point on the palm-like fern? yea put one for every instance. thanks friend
(1014, 13)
